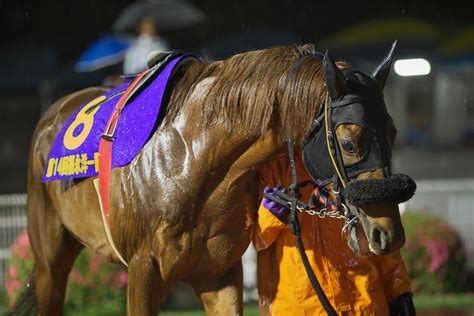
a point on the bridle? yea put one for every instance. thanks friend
(321, 205)
(365, 94)
(356, 98)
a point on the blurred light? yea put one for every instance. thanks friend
(412, 67)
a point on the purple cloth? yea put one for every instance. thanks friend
(272, 206)
(80, 158)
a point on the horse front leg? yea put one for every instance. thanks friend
(222, 296)
(144, 286)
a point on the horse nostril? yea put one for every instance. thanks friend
(379, 237)
(376, 236)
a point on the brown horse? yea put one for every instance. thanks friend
(183, 210)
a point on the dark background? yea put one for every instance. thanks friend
(41, 40)
(69, 26)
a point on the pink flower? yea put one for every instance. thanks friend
(77, 277)
(439, 252)
(24, 254)
(23, 239)
(21, 246)
(12, 272)
(120, 280)
(12, 286)
(95, 263)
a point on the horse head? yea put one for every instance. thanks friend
(356, 134)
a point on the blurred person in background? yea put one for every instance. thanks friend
(146, 42)
(374, 285)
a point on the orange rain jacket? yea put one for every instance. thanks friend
(354, 285)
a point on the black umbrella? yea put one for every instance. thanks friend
(168, 15)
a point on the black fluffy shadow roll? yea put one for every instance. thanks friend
(398, 188)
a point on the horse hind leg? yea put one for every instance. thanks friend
(54, 250)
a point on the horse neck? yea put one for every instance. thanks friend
(239, 151)
(246, 144)
(221, 152)
(266, 147)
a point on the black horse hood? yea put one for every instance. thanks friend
(355, 98)
(362, 105)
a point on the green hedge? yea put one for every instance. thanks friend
(434, 254)
(91, 282)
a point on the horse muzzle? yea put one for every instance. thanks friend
(376, 203)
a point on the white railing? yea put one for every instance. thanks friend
(12, 222)
(451, 200)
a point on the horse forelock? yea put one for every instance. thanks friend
(248, 88)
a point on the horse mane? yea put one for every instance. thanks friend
(246, 89)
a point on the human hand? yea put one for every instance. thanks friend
(275, 208)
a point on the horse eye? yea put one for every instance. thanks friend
(348, 146)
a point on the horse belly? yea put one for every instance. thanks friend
(79, 210)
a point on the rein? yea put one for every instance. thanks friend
(296, 230)
(328, 209)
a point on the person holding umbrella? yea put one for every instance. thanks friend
(146, 42)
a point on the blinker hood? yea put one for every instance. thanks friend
(365, 107)
(355, 98)
(370, 113)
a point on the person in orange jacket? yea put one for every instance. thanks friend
(375, 285)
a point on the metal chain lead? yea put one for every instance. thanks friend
(322, 213)
(349, 219)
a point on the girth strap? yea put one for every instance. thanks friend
(105, 159)
(105, 145)
(106, 141)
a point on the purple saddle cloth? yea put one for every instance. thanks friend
(75, 151)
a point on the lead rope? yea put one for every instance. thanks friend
(295, 229)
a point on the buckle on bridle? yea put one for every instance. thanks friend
(350, 219)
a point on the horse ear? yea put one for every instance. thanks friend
(383, 69)
(335, 80)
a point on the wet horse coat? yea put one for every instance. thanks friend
(183, 209)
